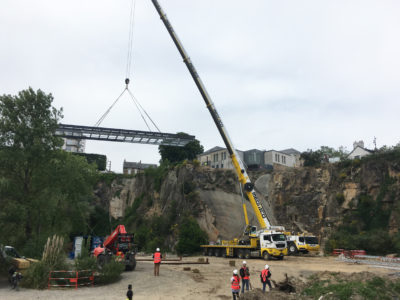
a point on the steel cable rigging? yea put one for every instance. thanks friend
(129, 59)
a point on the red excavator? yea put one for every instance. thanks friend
(119, 244)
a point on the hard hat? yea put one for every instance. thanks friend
(266, 267)
(244, 262)
(235, 272)
(158, 249)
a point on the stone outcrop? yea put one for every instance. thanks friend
(310, 199)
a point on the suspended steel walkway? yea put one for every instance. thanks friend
(122, 135)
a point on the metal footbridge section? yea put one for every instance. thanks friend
(122, 135)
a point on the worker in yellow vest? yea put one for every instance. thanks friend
(157, 256)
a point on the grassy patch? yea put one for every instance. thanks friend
(375, 288)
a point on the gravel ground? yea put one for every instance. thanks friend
(210, 282)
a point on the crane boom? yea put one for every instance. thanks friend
(237, 162)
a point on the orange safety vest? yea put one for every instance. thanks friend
(157, 257)
(264, 274)
(244, 272)
(235, 283)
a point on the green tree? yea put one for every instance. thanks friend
(43, 190)
(191, 236)
(176, 154)
(312, 158)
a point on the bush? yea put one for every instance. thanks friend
(99, 159)
(85, 261)
(53, 259)
(340, 198)
(191, 236)
(375, 288)
(36, 276)
(111, 272)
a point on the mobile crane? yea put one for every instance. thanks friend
(268, 241)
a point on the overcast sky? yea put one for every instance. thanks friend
(282, 74)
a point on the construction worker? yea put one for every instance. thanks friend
(264, 276)
(129, 293)
(245, 274)
(235, 284)
(157, 256)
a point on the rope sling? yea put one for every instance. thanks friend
(129, 60)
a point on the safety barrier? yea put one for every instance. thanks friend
(70, 278)
(337, 251)
(348, 253)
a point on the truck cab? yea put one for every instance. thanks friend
(302, 243)
(273, 244)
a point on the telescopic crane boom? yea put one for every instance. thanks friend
(237, 162)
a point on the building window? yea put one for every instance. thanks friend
(284, 159)
(222, 166)
(215, 157)
(276, 157)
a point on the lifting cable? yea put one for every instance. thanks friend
(128, 73)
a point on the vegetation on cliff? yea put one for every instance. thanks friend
(162, 216)
(371, 222)
(175, 154)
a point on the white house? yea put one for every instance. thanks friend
(272, 157)
(135, 167)
(217, 157)
(359, 151)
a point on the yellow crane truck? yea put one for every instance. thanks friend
(267, 242)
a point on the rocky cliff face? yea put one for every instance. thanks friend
(316, 199)
(303, 199)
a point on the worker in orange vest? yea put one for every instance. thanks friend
(245, 274)
(265, 275)
(235, 284)
(157, 256)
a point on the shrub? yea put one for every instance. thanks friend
(36, 276)
(99, 159)
(85, 261)
(340, 198)
(375, 288)
(191, 236)
(53, 258)
(111, 272)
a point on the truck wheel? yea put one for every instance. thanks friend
(240, 254)
(217, 252)
(102, 260)
(211, 251)
(280, 257)
(205, 252)
(266, 255)
(130, 264)
(247, 254)
(292, 249)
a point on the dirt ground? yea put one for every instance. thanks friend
(210, 282)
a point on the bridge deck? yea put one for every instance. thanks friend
(121, 135)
